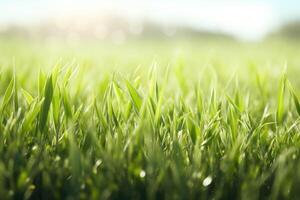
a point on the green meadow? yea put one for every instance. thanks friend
(149, 119)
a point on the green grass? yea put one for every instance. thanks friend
(149, 120)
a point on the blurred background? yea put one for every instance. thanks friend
(121, 20)
(207, 42)
(122, 36)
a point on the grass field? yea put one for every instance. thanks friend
(149, 120)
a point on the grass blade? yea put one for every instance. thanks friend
(48, 93)
(135, 96)
(280, 100)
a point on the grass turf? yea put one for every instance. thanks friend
(148, 119)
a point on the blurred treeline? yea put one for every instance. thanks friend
(119, 30)
(289, 30)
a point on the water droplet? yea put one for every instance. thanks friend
(34, 148)
(142, 174)
(207, 181)
(98, 163)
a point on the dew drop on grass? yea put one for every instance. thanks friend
(142, 174)
(34, 148)
(98, 163)
(207, 181)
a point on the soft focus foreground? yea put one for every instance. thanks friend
(149, 119)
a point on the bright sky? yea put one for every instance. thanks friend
(245, 19)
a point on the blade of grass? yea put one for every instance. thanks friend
(135, 96)
(48, 93)
(280, 100)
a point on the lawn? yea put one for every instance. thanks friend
(149, 119)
